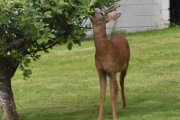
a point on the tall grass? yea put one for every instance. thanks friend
(65, 86)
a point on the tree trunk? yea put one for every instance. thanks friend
(7, 103)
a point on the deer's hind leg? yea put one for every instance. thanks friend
(122, 76)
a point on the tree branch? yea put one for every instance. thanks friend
(43, 48)
(87, 28)
(19, 42)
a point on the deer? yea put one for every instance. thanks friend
(111, 57)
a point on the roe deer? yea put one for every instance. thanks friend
(112, 56)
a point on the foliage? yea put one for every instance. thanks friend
(40, 25)
(102, 3)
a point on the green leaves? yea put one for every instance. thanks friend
(45, 39)
(70, 45)
(59, 11)
(66, 14)
(50, 35)
(43, 22)
(48, 14)
(81, 33)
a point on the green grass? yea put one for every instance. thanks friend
(65, 86)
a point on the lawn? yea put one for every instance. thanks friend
(65, 86)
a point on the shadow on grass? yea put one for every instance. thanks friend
(136, 111)
(60, 113)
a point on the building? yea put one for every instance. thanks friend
(139, 16)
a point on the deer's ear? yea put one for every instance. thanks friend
(113, 17)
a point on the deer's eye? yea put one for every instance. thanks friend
(101, 14)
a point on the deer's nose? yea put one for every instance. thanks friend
(91, 14)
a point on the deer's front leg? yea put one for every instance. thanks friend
(103, 84)
(113, 94)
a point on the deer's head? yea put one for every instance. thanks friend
(101, 17)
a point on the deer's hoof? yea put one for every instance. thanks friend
(99, 118)
(124, 108)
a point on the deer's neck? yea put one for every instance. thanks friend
(100, 39)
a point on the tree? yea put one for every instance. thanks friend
(29, 26)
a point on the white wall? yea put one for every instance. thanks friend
(140, 15)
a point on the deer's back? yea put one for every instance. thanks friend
(121, 44)
(121, 47)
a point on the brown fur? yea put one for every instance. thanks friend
(112, 56)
